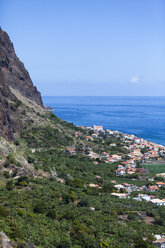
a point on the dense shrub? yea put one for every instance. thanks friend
(40, 207)
(65, 243)
(16, 232)
(9, 185)
(21, 212)
(6, 174)
(22, 181)
(3, 211)
(52, 213)
(84, 202)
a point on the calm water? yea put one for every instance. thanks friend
(142, 116)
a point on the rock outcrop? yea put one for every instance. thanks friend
(13, 75)
(14, 71)
(6, 124)
(5, 242)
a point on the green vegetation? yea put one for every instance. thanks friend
(60, 209)
(54, 212)
(155, 168)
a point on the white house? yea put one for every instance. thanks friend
(98, 128)
(120, 195)
(158, 202)
(160, 243)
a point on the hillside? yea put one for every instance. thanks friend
(13, 75)
(69, 187)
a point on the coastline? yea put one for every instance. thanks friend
(142, 116)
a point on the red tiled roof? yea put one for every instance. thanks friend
(153, 187)
(69, 149)
(160, 183)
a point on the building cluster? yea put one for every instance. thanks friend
(151, 199)
(125, 189)
(138, 150)
(126, 168)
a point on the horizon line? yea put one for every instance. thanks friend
(93, 96)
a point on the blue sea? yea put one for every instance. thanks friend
(141, 116)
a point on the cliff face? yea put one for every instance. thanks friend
(13, 74)
(6, 129)
(14, 71)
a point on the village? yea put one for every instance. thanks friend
(138, 152)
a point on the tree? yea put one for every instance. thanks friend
(108, 187)
(83, 202)
(3, 211)
(52, 213)
(40, 207)
(65, 243)
(72, 196)
(9, 185)
(140, 243)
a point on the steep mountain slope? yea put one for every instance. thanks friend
(6, 126)
(13, 78)
(14, 71)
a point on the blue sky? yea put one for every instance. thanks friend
(90, 47)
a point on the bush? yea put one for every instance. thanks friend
(40, 207)
(133, 216)
(18, 164)
(31, 160)
(72, 196)
(10, 160)
(83, 203)
(18, 103)
(16, 232)
(103, 244)
(108, 187)
(140, 243)
(7, 163)
(66, 198)
(23, 184)
(6, 174)
(69, 215)
(64, 244)
(75, 183)
(21, 212)
(52, 213)
(23, 181)
(22, 245)
(3, 211)
(16, 142)
(9, 185)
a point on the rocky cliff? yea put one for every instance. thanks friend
(14, 71)
(13, 76)
(6, 129)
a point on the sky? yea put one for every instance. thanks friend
(89, 47)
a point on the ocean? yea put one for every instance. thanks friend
(141, 116)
